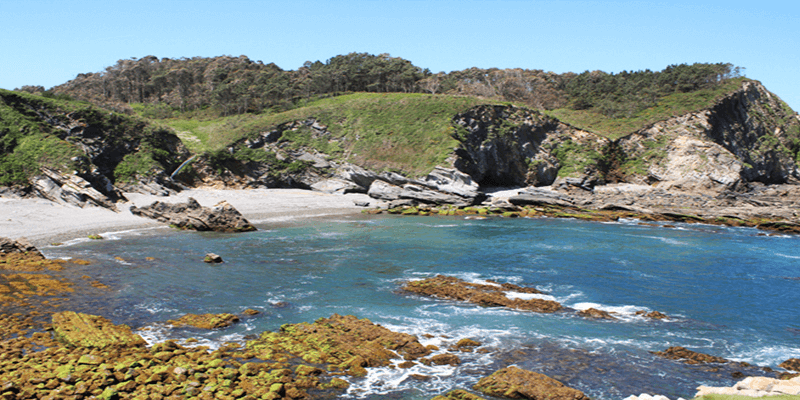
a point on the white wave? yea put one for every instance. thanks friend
(529, 296)
(154, 308)
(383, 380)
(621, 312)
(787, 256)
(765, 355)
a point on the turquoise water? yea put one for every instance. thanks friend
(729, 292)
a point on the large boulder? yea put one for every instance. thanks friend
(223, 217)
(516, 383)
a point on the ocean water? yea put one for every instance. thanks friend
(729, 292)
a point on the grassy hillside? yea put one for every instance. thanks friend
(666, 107)
(37, 131)
(26, 142)
(392, 131)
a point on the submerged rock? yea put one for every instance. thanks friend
(490, 294)
(651, 314)
(223, 217)
(689, 356)
(516, 383)
(595, 314)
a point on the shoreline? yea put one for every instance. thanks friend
(44, 222)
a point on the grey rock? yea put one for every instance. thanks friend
(383, 190)
(69, 189)
(393, 178)
(453, 181)
(359, 176)
(528, 199)
(426, 195)
(317, 161)
(223, 217)
(336, 186)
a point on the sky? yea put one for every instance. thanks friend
(48, 43)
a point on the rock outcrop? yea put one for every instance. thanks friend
(755, 387)
(792, 364)
(72, 189)
(490, 294)
(205, 321)
(191, 215)
(516, 383)
(19, 246)
(689, 356)
(345, 343)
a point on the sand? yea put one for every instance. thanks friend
(44, 222)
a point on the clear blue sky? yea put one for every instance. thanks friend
(49, 42)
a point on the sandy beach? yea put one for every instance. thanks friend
(43, 222)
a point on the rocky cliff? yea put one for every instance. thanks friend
(747, 136)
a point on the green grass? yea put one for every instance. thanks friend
(408, 133)
(733, 397)
(26, 143)
(669, 106)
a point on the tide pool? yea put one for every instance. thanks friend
(728, 292)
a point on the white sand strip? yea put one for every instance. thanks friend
(43, 222)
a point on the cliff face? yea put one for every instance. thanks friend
(511, 146)
(747, 136)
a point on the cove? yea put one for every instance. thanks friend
(728, 292)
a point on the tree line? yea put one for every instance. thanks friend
(235, 85)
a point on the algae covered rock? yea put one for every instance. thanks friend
(491, 294)
(84, 330)
(516, 383)
(20, 246)
(343, 342)
(792, 364)
(206, 321)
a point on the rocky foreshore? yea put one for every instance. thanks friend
(774, 208)
(46, 352)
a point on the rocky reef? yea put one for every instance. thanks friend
(223, 217)
(490, 294)
(516, 383)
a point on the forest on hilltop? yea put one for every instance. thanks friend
(228, 85)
